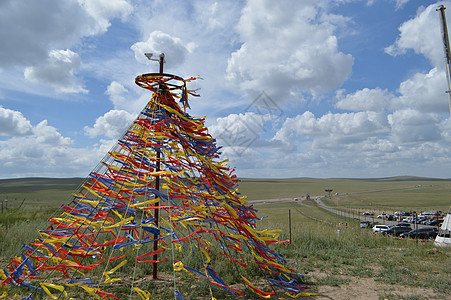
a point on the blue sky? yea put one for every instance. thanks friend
(308, 88)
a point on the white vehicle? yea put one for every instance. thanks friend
(443, 238)
(427, 214)
(380, 228)
(408, 220)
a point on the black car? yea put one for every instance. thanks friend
(403, 225)
(397, 230)
(421, 233)
(434, 222)
(365, 224)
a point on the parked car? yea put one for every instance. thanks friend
(421, 233)
(403, 224)
(402, 213)
(434, 222)
(396, 230)
(408, 219)
(368, 213)
(380, 228)
(365, 224)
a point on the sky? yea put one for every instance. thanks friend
(307, 88)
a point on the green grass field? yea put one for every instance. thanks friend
(397, 193)
(328, 260)
(37, 192)
(387, 193)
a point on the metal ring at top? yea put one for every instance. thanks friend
(152, 81)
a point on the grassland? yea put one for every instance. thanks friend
(37, 192)
(396, 193)
(389, 193)
(354, 264)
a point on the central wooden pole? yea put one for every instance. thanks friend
(157, 186)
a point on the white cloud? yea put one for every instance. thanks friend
(160, 42)
(58, 70)
(445, 129)
(116, 92)
(104, 10)
(424, 92)
(37, 31)
(400, 3)
(13, 123)
(113, 124)
(37, 27)
(212, 14)
(364, 100)
(375, 147)
(45, 152)
(334, 130)
(412, 126)
(206, 30)
(422, 35)
(126, 99)
(287, 46)
(25, 156)
(48, 135)
(242, 138)
(240, 130)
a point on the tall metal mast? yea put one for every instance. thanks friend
(446, 50)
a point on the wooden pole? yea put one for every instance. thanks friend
(157, 187)
(289, 222)
(21, 203)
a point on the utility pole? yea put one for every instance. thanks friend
(446, 50)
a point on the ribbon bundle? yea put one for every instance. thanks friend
(163, 183)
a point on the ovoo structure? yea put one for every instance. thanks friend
(161, 199)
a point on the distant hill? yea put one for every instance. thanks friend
(403, 178)
(32, 184)
(53, 192)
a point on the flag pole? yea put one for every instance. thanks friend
(446, 50)
(157, 187)
(157, 177)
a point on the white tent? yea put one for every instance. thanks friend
(443, 238)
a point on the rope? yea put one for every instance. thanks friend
(172, 249)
